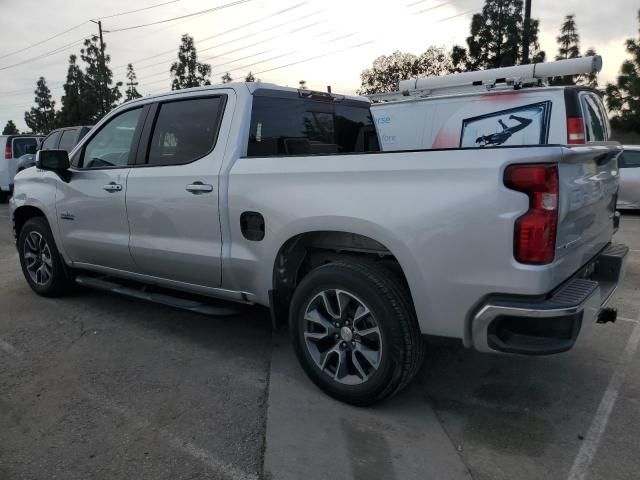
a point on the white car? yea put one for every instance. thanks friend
(629, 164)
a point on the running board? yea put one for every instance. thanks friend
(143, 293)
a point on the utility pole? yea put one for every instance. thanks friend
(526, 36)
(103, 77)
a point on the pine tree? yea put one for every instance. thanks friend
(568, 47)
(76, 108)
(496, 37)
(568, 40)
(226, 78)
(303, 84)
(187, 72)
(623, 97)
(99, 79)
(10, 128)
(41, 118)
(249, 77)
(132, 82)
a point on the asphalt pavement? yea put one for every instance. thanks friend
(98, 386)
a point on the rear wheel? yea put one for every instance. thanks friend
(355, 332)
(4, 196)
(41, 262)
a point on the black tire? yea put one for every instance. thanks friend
(4, 196)
(388, 300)
(59, 277)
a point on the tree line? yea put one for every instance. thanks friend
(495, 40)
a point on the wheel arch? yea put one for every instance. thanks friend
(22, 214)
(302, 252)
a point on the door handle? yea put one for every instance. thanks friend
(199, 187)
(113, 187)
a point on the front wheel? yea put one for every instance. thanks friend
(355, 331)
(41, 262)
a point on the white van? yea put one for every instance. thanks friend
(14, 147)
(461, 112)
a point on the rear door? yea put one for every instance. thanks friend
(172, 193)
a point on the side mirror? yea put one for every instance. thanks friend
(54, 160)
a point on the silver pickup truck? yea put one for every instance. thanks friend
(280, 197)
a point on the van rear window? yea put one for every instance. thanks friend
(23, 145)
(299, 126)
(595, 121)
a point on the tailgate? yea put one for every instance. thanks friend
(588, 189)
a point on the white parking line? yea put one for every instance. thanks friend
(221, 468)
(10, 349)
(4, 216)
(599, 423)
(628, 320)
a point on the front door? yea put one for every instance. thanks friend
(172, 193)
(91, 209)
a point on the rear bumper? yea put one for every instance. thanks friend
(551, 324)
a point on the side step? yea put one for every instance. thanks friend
(145, 292)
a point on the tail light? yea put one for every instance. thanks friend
(535, 231)
(7, 151)
(575, 131)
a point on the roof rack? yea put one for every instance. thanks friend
(507, 78)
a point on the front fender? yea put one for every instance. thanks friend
(37, 188)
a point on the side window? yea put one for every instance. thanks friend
(68, 139)
(24, 145)
(526, 125)
(111, 146)
(630, 159)
(594, 120)
(51, 142)
(298, 126)
(185, 130)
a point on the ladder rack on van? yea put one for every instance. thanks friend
(509, 78)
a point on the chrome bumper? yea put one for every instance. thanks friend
(551, 324)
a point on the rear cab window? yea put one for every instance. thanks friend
(305, 123)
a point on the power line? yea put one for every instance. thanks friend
(262, 41)
(28, 90)
(280, 12)
(201, 12)
(44, 55)
(433, 8)
(79, 25)
(43, 41)
(455, 16)
(232, 41)
(138, 10)
(318, 56)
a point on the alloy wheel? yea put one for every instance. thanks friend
(342, 336)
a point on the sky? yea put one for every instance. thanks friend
(326, 42)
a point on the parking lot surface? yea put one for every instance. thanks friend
(99, 386)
